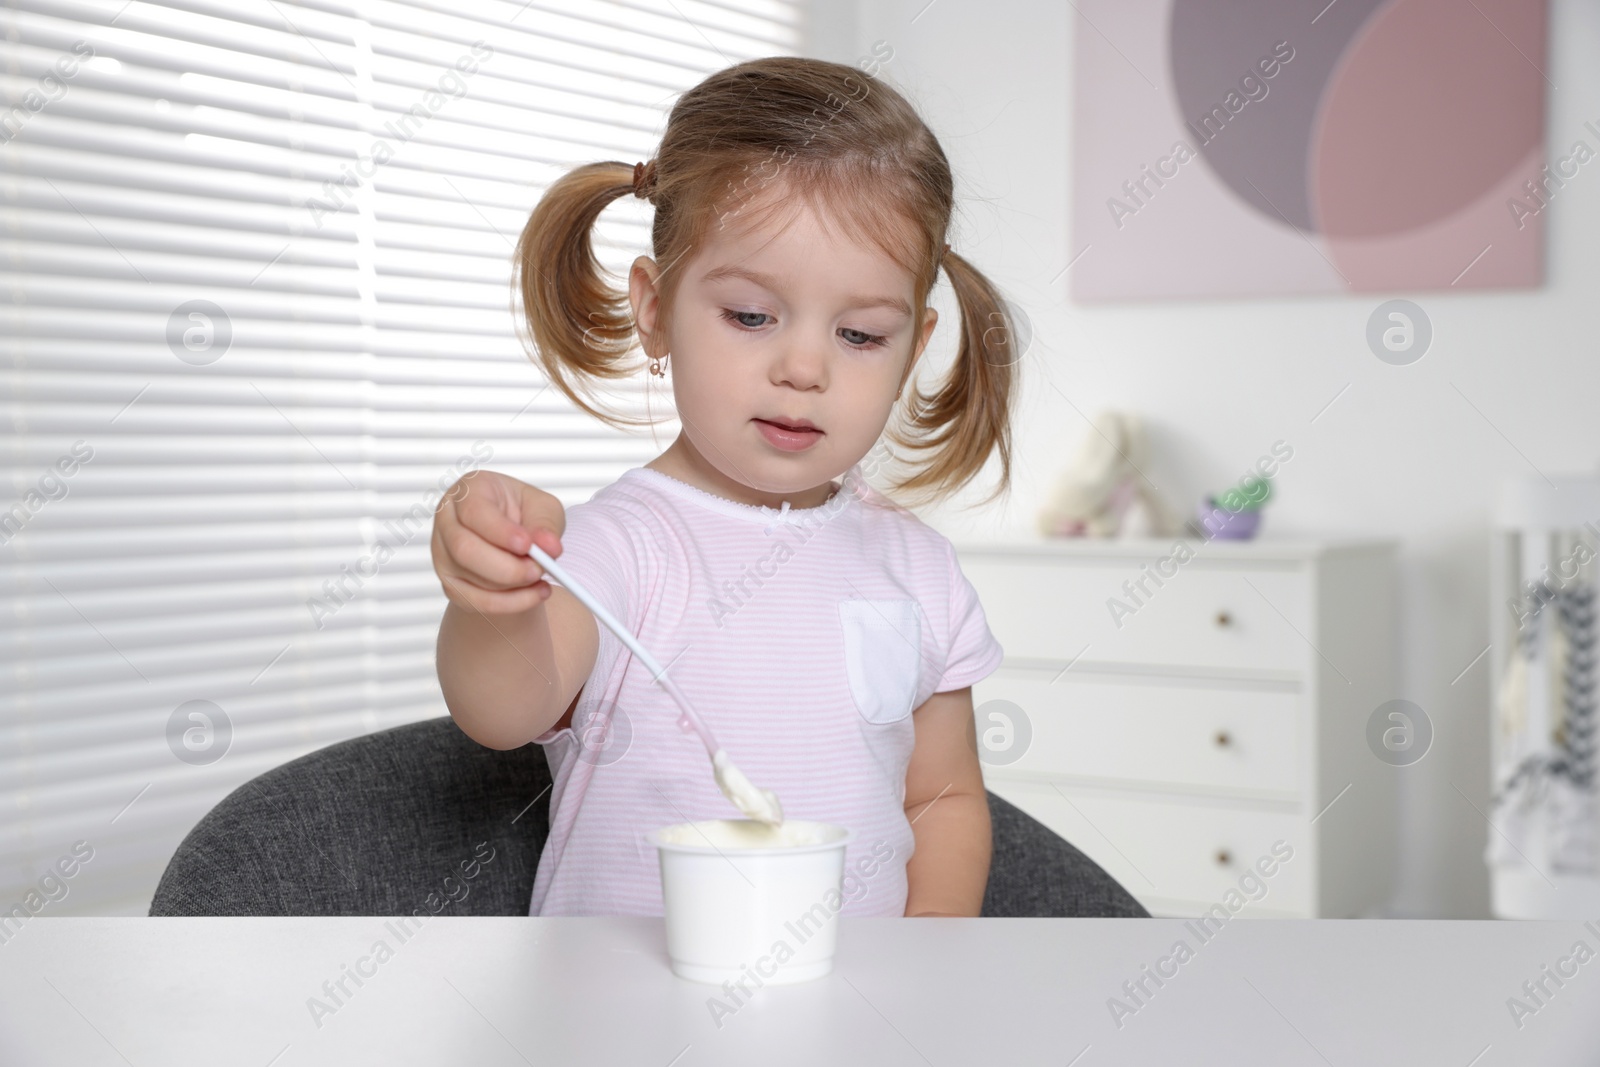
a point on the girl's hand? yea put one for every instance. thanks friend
(481, 532)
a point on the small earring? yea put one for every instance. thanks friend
(658, 365)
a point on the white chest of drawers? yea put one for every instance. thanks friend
(1177, 718)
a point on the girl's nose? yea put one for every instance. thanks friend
(801, 365)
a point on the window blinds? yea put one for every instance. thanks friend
(257, 254)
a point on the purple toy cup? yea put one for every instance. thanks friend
(1220, 524)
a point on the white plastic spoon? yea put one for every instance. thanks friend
(759, 804)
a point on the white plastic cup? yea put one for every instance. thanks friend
(736, 908)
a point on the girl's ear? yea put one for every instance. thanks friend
(929, 321)
(646, 301)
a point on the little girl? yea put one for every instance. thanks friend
(825, 634)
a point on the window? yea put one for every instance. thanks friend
(257, 257)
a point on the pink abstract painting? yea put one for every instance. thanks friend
(1255, 147)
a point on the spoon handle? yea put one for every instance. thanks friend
(588, 600)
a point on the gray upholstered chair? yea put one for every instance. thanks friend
(422, 816)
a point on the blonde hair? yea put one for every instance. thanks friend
(845, 143)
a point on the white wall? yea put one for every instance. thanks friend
(1401, 454)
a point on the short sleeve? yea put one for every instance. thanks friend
(974, 653)
(597, 551)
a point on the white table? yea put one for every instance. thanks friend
(486, 992)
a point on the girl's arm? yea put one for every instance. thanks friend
(949, 810)
(508, 678)
(513, 650)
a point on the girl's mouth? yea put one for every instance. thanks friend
(788, 438)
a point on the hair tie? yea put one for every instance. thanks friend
(944, 252)
(644, 179)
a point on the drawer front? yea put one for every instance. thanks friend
(1042, 608)
(1175, 851)
(1141, 733)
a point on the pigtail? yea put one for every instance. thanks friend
(969, 416)
(580, 327)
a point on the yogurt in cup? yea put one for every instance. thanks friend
(746, 898)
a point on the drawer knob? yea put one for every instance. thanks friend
(1224, 620)
(1224, 857)
(1223, 739)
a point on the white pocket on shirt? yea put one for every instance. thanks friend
(882, 656)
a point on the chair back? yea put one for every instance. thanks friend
(421, 819)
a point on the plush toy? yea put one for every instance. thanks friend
(1102, 492)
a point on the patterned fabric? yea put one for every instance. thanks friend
(805, 639)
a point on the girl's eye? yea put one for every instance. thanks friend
(739, 317)
(857, 338)
(866, 340)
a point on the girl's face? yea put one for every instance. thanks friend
(801, 325)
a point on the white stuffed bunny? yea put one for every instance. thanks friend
(1102, 493)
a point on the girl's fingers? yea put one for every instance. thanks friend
(491, 602)
(484, 510)
(484, 564)
(481, 549)
(542, 516)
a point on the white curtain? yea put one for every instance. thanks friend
(257, 260)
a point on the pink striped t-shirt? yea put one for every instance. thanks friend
(804, 637)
